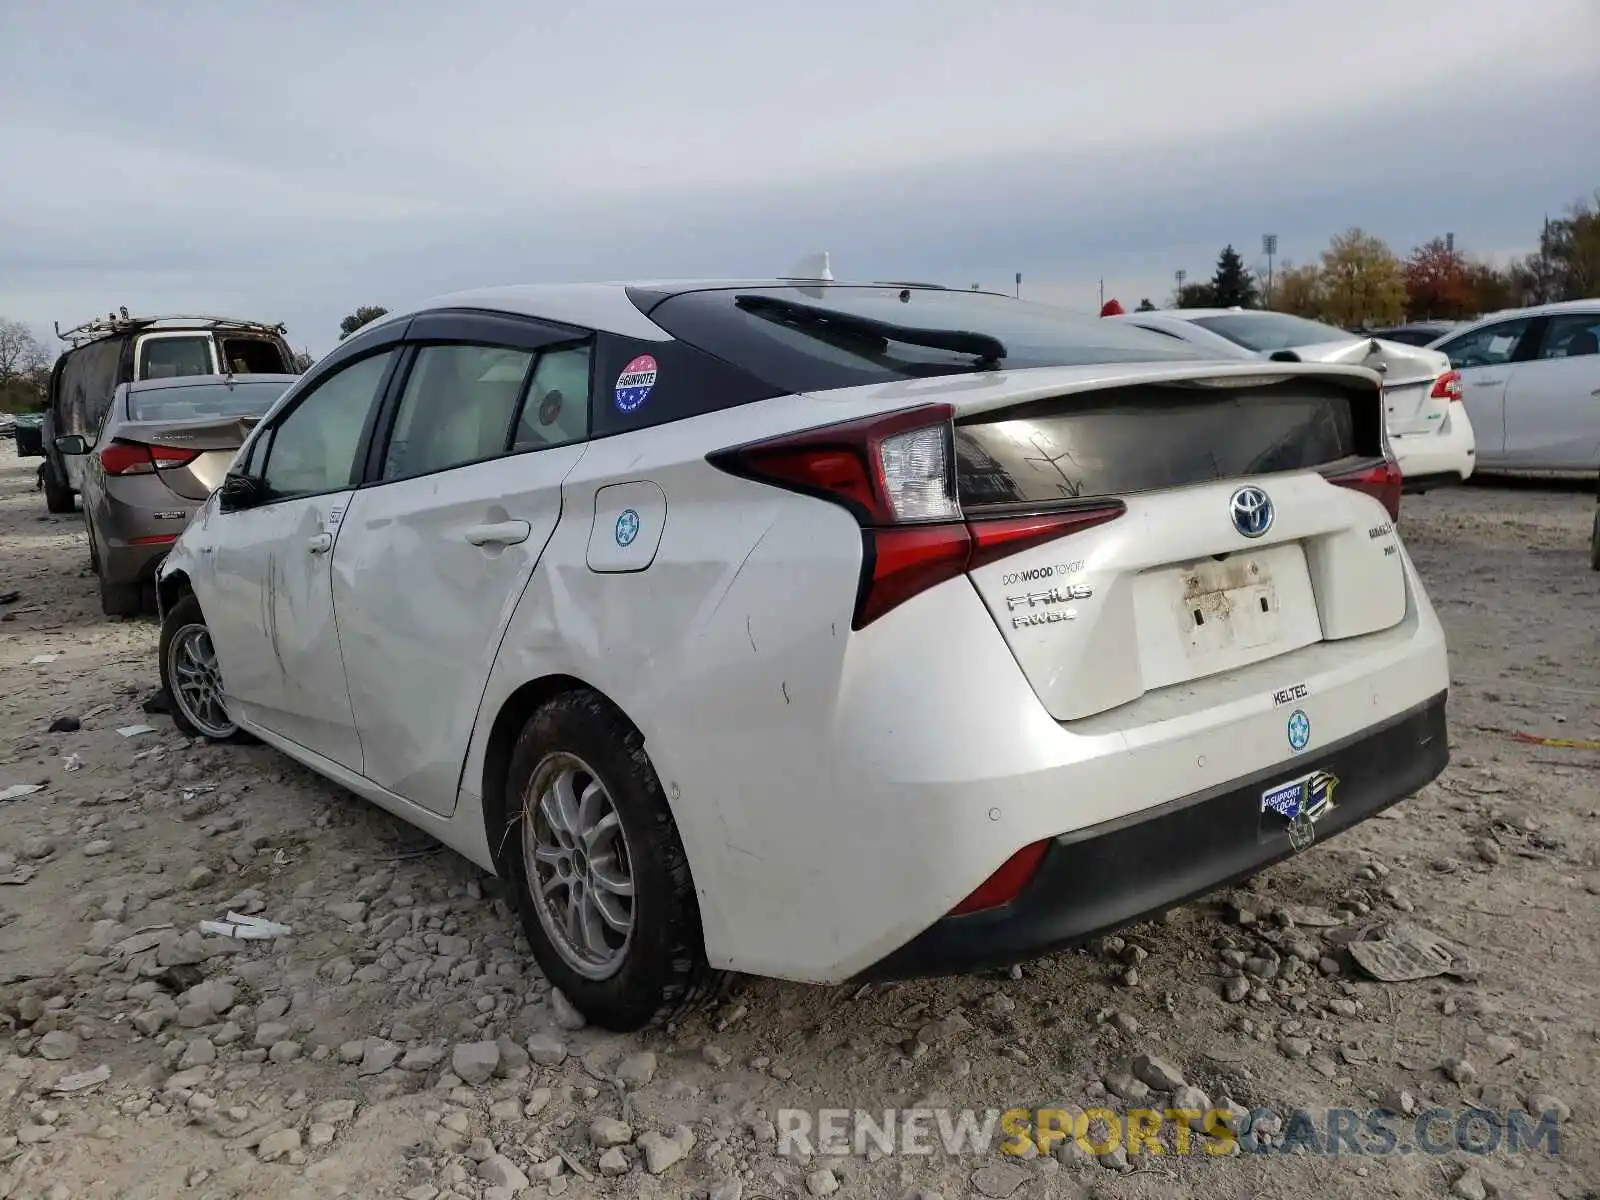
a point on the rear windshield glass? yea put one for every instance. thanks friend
(1269, 331)
(1147, 438)
(796, 351)
(172, 357)
(205, 400)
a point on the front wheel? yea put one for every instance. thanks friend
(191, 675)
(593, 855)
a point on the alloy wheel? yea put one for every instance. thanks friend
(197, 681)
(578, 867)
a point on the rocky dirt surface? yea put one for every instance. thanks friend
(399, 1042)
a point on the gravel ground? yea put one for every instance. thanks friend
(400, 1042)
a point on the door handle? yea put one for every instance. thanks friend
(499, 533)
(319, 543)
(1489, 382)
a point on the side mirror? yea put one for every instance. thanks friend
(239, 491)
(72, 443)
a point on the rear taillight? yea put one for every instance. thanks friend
(137, 458)
(1380, 480)
(1447, 387)
(897, 475)
(1006, 884)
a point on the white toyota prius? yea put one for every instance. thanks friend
(816, 630)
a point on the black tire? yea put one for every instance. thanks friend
(58, 494)
(184, 617)
(121, 599)
(662, 964)
(1594, 542)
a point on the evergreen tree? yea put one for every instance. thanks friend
(1233, 284)
(1145, 306)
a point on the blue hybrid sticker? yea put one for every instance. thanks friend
(627, 527)
(1299, 730)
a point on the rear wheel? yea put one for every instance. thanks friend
(191, 675)
(58, 496)
(121, 599)
(1594, 541)
(593, 854)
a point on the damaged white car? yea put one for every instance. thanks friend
(816, 630)
(1429, 429)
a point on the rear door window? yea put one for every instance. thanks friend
(457, 408)
(555, 411)
(1575, 335)
(162, 357)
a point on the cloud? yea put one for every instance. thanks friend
(293, 161)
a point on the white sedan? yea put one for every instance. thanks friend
(816, 630)
(1530, 379)
(1429, 430)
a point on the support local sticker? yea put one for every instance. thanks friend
(635, 383)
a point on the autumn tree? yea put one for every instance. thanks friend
(1362, 281)
(1232, 284)
(1438, 285)
(1573, 243)
(1492, 288)
(1145, 306)
(1298, 290)
(362, 316)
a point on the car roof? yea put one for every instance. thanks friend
(608, 306)
(183, 381)
(1554, 308)
(1189, 314)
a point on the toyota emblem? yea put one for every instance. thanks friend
(1251, 509)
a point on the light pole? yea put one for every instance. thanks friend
(1019, 285)
(1269, 247)
(1180, 275)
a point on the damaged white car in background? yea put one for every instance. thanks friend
(1429, 430)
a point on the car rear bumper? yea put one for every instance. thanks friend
(1447, 454)
(126, 516)
(1120, 871)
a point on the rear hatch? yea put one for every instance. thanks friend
(1410, 374)
(1215, 532)
(191, 456)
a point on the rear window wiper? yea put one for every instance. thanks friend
(983, 346)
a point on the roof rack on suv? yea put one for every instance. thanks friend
(121, 322)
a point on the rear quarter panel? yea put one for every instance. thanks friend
(725, 652)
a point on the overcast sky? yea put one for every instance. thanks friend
(296, 159)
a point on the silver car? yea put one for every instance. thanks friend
(162, 447)
(1530, 380)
